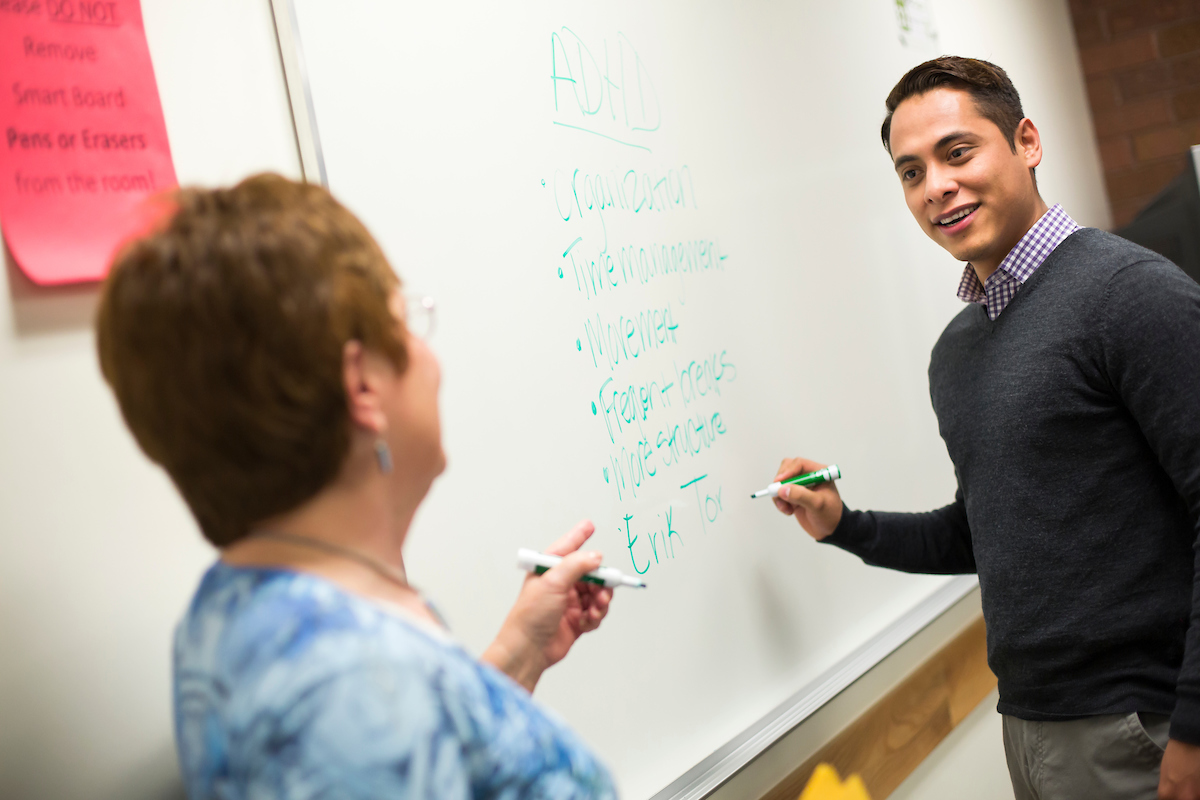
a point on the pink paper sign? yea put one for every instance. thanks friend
(82, 137)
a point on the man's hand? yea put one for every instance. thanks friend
(551, 612)
(819, 509)
(1179, 777)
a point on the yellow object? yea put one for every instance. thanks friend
(826, 785)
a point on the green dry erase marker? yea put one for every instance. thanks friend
(537, 563)
(830, 473)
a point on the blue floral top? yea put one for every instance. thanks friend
(288, 687)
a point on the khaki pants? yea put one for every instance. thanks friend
(1094, 758)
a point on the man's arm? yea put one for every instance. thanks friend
(1150, 334)
(937, 541)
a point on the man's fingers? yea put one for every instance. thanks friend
(799, 496)
(574, 566)
(573, 539)
(787, 468)
(791, 467)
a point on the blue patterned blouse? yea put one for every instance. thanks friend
(288, 687)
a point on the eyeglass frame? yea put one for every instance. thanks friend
(425, 317)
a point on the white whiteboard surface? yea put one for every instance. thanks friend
(639, 219)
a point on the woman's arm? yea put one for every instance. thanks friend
(552, 611)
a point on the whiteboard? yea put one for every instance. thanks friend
(667, 250)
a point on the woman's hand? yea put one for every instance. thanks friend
(552, 611)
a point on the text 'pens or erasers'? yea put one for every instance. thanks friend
(535, 562)
(830, 473)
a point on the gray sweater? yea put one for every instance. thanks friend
(1073, 422)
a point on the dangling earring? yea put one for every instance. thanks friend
(383, 454)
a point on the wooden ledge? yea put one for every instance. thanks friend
(891, 738)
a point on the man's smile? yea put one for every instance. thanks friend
(954, 221)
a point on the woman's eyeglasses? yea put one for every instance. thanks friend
(418, 314)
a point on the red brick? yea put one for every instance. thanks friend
(1191, 133)
(1144, 14)
(1125, 210)
(1144, 81)
(1115, 153)
(1093, 5)
(1179, 39)
(1144, 180)
(1186, 71)
(1170, 141)
(1102, 93)
(1089, 29)
(1134, 116)
(1116, 55)
(1186, 104)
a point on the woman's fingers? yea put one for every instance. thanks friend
(593, 606)
(603, 598)
(573, 539)
(600, 602)
(574, 565)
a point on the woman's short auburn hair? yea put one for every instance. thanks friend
(222, 335)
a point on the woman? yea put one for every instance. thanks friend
(258, 348)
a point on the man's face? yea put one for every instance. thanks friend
(964, 185)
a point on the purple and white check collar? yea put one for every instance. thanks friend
(1022, 261)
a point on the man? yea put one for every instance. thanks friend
(1068, 395)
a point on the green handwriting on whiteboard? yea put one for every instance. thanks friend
(630, 191)
(613, 342)
(633, 264)
(651, 421)
(626, 404)
(613, 101)
(658, 544)
(710, 507)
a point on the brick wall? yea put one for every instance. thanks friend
(1141, 59)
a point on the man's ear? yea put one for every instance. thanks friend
(363, 380)
(1028, 142)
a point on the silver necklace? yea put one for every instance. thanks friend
(389, 572)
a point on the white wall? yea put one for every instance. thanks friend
(970, 758)
(99, 554)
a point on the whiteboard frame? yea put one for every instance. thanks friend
(707, 776)
(721, 765)
(295, 77)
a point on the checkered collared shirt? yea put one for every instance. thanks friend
(1021, 262)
